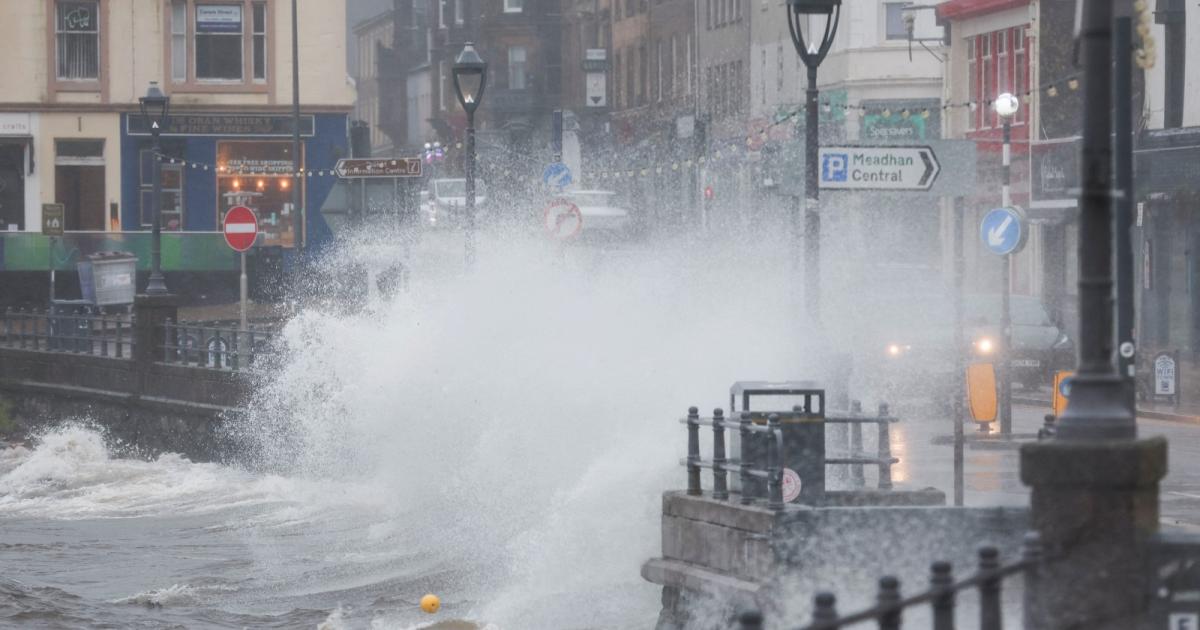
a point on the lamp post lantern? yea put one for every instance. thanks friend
(1006, 106)
(812, 53)
(155, 108)
(470, 80)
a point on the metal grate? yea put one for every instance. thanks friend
(215, 347)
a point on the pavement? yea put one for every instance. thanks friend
(1185, 412)
(991, 475)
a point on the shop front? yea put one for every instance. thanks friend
(214, 162)
(18, 189)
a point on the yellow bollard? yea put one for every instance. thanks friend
(430, 603)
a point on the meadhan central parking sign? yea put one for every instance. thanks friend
(879, 168)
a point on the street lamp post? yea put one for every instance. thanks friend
(155, 108)
(1006, 106)
(470, 80)
(812, 53)
(1097, 409)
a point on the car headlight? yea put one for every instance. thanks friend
(895, 349)
(985, 345)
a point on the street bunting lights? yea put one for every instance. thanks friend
(470, 80)
(1006, 106)
(812, 53)
(1097, 409)
(155, 108)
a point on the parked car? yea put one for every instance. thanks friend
(602, 217)
(444, 203)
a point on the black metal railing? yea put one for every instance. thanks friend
(857, 458)
(771, 468)
(941, 595)
(76, 333)
(216, 347)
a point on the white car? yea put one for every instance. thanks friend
(601, 215)
(447, 201)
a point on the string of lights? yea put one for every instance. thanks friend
(1050, 89)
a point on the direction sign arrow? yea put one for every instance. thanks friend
(378, 167)
(878, 167)
(1002, 231)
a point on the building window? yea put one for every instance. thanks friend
(77, 34)
(179, 41)
(514, 6)
(459, 15)
(171, 176)
(658, 72)
(441, 85)
(218, 42)
(516, 68)
(258, 175)
(1002, 77)
(779, 71)
(895, 20)
(1021, 84)
(989, 82)
(260, 40)
(442, 8)
(762, 74)
(972, 82)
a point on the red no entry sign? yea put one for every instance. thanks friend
(562, 219)
(241, 228)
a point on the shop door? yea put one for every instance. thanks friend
(12, 186)
(81, 191)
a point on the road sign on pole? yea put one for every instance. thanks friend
(878, 168)
(562, 219)
(557, 175)
(241, 228)
(378, 167)
(1003, 231)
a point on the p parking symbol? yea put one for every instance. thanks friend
(1183, 621)
(833, 167)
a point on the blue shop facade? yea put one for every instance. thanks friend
(215, 161)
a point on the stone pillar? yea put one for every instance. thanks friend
(149, 313)
(1095, 505)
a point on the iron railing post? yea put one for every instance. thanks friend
(750, 620)
(824, 611)
(989, 590)
(720, 475)
(774, 463)
(885, 449)
(1031, 553)
(889, 596)
(748, 489)
(693, 452)
(942, 580)
(857, 474)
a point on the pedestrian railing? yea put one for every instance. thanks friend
(941, 595)
(770, 468)
(857, 458)
(76, 333)
(222, 348)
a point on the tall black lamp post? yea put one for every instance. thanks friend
(1006, 107)
(812, 53)
(155, 108)
(1097, 408)
(470, 79)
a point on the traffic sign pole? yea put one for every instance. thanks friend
(1006, 294)
(243, 291)
(241, 230)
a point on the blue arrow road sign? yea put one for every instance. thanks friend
(1001, 231)
(1064, 387)
(557, 174)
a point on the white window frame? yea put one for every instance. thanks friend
(973, 90)
(514, 6)
(241, 39)
(266, 48)
(514, 64)
(179, 40)
(58, 38)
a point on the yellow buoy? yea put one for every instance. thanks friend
(430, 603)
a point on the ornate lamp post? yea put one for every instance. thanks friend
(812, 53)
(470, 80)
(155, 108)
(1006, 107)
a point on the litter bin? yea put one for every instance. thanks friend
(803, 429)
(108, 278)
(70, 325)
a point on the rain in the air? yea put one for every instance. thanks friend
(600, 314)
